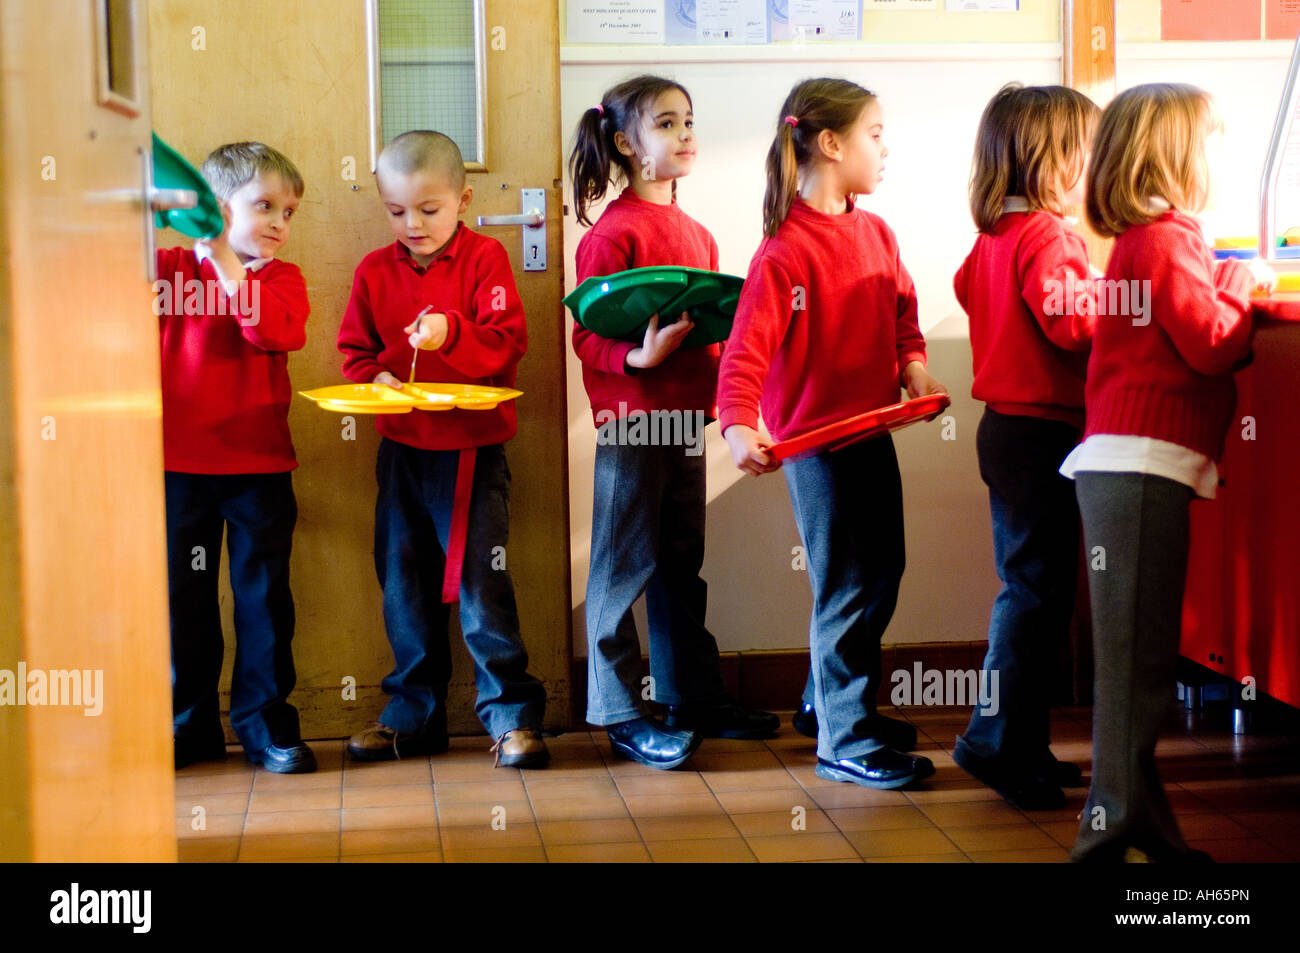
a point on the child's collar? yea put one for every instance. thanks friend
(253, 264)
(402, 253)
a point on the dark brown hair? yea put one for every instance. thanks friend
(595, 159)
(1030, 139)
(816, 104)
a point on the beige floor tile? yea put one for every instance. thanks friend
(716, 851)
(662, 782)
(495, 791)
(236, 783)
(211, 804)
(287, 847)
(413, 857)
(388, 795)
(1034, 855)
(801, 846)
(775, 823)
(292, 822)
(588, 831)
(955, 858)
(270, 781)
(1212, 827)
(685, 828)
(951, 792)
(1253, 850)
(412, 771)
(673, 805)
(577, 809)
(393, 817)
(768, 779)
(548, 788)
(845, 794)
(762, 802)
(629, 853)
(483, 813)
(494, 855)
(973, 814)
(900, 843)
(208, 849)
(480, 837)
(1001, 838)
(312, 799)
(211, 825)
(895, 818)
(479, 769)
(391, 841)
(706, 760)
(1063, 832)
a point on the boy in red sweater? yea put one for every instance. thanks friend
(229, 313)
(441, 302)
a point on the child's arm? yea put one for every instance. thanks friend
(1205, 312)
(762, 318)
(493, 336)
(359, 339)
(910, 343)
(1056, 285)
(272, 313)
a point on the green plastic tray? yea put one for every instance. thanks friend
(171, 171)
(619, 306)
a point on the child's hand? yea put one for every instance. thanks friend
(383, 377)
(659, 342)
(428, 331)
(1264, 276)
(919, 383)
(749, 450)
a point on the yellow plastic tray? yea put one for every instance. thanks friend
(382, 399)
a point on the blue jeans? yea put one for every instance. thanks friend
(1036, 546)
(258, 512)
(848, 505)
(412, 525)
(647, 535)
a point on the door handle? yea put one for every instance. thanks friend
(533, 226)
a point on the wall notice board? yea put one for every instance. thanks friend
(1217, 20)
(754, 22)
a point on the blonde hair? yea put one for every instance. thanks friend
(423, 150)
(814, 105)
(230, 167)
(1150, 144)
(1032, 142)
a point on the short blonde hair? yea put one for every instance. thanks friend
(423, 150)
(1029, 139)
(232, 166)
(1150, 144)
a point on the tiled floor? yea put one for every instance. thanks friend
(1236, 797)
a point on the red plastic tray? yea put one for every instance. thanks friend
(860, 427)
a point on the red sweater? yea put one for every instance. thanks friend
(1171, 379)
(471, 282)
(634, 233)
(839, 354)
(1032, 305)
(225, 377)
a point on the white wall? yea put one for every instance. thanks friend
(932, 96)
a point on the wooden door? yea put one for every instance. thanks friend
(83, 581)
(295, 75)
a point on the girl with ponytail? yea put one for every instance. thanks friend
(648, 507)
(827, 328)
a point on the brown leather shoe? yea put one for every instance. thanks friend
(378, 742)
(521, 748)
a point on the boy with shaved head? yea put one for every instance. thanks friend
(442, 300)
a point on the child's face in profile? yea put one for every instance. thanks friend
(663, 147)
(423, 210)
(260, 212)
(864, 151)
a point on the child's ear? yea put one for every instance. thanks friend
(829, 144)
(465, 198)
(623, 145)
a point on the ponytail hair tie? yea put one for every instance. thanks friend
(600, 108)
(791, 120)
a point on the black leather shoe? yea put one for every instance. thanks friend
(652, 744)
(1064, 773)
(805, 721)
(1018, 788)
(729, 719)
(295, 759)
(189, 752)
(884, 769)
(894, 732)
